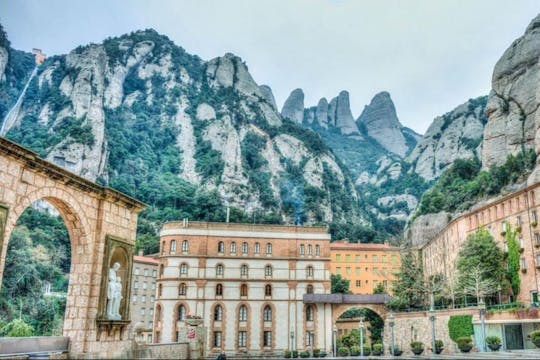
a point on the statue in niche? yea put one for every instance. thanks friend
(114, 293)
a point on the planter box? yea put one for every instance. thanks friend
(194, 322)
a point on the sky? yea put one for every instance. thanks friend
(429, 55)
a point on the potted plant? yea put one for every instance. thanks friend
(535, 338)
(493, 342)
(287, 354)
(417, 347)
(294, 354)
(323, 354)
(377, 349)
(193, 320)
(439, 346)
(304, 354)
(343, 351)
(367, 350)
(316, 353)
(464, 344)
(397, 350)
(355, 350)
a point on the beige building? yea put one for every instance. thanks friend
(247, 283)
(520, 210)
(143, 290)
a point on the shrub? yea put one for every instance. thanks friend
(304, 354)
(417, 347)
(343, 351)
(287, 354)
(355, 350)
(439, 344)
(460, 326)
(493, 340)
(464, 343)
(377, 349)
(535, 337)
(18, 328)
(294, 354)
(367, 350)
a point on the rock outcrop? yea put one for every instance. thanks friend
(513, 105)
(4, 58)
(454, 135)
(381, 123)
(340, 115)
(293, 108)
(426, 227)
(268, 95)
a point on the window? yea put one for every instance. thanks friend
(219, 270)
(521, 242)
(267, 313)
(243, 270)
(357, 271)
(374, 258)
(149, 337)
(309, 338)
(309, 313)
(243, 290)
(154, 273)
(268, 290)
(136, 271)
(151, 312)
(219, 290)
(348, 257)
(302, 250)
(173, 246)
(523, 263)
(245, 248)
(357, 258)
(317, 250)
(217, 338)
(153, 286)
(309, 271)
(309, 289)
(181, 313)
(537, 239)
(218, 313)
(268, 270)
(233, 248)
(310, 250)
(163, 247)
(160, 290)
(268, 249)
(143, 311)
(348, 270)
(534, 216)
(143, 298)
(267, 342)
(161, 270)
(134, 298)
(221, 247)
(242, 313)
(338, 270)
(183, 269)
(257, 249)
(358, 283)
(338, 257)
(145, 272)
(185, 246)
(518, 221)
(384, 258)
(136, 285)
(144, 285)
(152, 298)
(182, 289)
(242, 339)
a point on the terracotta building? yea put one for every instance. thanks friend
(365, 265)
(520, 211)
(143, 289)
(247, 283)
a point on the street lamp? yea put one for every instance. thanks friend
(335, 339)
(432, 320)
(482, 307)
(391, 323)
(499, 291)
(361, 336)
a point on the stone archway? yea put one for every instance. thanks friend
(98, 220)
(340, 309)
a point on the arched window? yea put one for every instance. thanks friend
(244, 270)
(309, 313)
(268, 270)
(173, 247)
(242, 313)
(160, 290)
(310, 250)
(267, 313)
(243, 290)
(309, 289)
(219, 270)
(268, 290)
(221, 247)
(309, 271)
(163, 247)
(317, 250)
(269, 249)
(181, 313)
(185, 246)
(257, 248)
(219, 290)
(183, 269)
(245, 247)
(182, 289)
(218, 313)
(233, 248)
(161, 270)
(302, 250)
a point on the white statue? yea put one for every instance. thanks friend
(114, 293)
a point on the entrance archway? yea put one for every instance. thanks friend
(99, 221)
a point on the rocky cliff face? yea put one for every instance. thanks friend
(512, 108)
(4, 54)
(381, 123)
(293, 108)
(455, 135)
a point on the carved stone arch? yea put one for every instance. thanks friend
(340, 309)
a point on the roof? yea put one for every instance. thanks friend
(145, 259)
(361, 246)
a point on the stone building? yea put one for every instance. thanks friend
(519, 210)
(247, 283)
(365, 265)
(143, 290)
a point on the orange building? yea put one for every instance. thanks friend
(365, 265)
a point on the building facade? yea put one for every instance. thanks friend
(247, 284)
(143, 289)
(365, 265)
(518, 210)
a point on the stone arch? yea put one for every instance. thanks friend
(340, 309)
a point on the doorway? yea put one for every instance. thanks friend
(513, 336)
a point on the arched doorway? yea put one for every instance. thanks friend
(34, 287)
(348, 325)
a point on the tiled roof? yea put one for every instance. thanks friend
(360, 246)
(145, 259)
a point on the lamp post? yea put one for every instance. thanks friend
(361, 336)
(499, 291)
(335, 340)
(292, 339)
(391, 323)
(432, 320)
(482, 307)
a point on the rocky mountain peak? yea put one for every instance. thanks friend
(4, 53)
(268, 95)
(340, 115)
(293, 108)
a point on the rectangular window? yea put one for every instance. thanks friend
(348, 270)
(149, 337)
(217, 338)
(143, 298)
(137, 271)
(518, 221)
(151, 312)
(309, 338)
(537, 239)
(358, 283)
(153, 286)
(152, 299)
(348, 257)
(310, 250)
(357, 271)
(317, 250)
(374, 258)
(257, 248)
(267, 339)
(144, 285)
(143, 311)
(145, 272)
(376, 271)
(134, 297)
(357, 258)
(136, 285)
(338, 270)
(384, 258)
(338, 257)
(534, 216)
(242, 338)
(154, 273)
(523, 263)
(302, 250)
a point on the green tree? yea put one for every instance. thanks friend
(512, 272)
(379, 289)
(409, 288)
(339, 285)
(18, 328)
